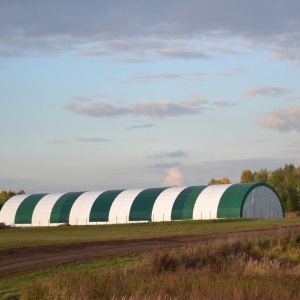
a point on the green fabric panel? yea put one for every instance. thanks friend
(61, 210)
(232, 201)
(184, 204)
(141, 208)
(101, 207)
(25, 210)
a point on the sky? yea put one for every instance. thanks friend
(98, 95)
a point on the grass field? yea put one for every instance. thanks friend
(11, 286)
(240, 270)
(27, 237)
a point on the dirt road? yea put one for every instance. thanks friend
(23, 260)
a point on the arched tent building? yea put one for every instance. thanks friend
(243, 200)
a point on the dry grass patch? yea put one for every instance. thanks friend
(267, 268)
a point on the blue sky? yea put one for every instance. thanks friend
(132, 94)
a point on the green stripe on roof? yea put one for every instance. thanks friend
(25, 210)
(141, 208)
(232, 201)
(101, 206)
(61, 210)
(184, 204)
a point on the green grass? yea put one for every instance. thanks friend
(27, 237)
(12, 285)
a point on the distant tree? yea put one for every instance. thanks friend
(276, 180)
(289, 185)
(261, 176)
(224, 180)
(296, 182)
(212, 181)
(289, 168)
(247, 176)
(5, 195)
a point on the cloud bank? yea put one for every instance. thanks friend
(134, 30)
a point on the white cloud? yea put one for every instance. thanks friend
(182, 52)
(268, 91)
(151, 108)
(171, 154)
(80, 140)
(142, 77)
(140, 126)
(194, 101)
(186, 76)
(225, 103)
(160, 109)
(283, 120)
(173, 178)
(96, 109)
(91, 140)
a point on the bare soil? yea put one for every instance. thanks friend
(23, 260)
